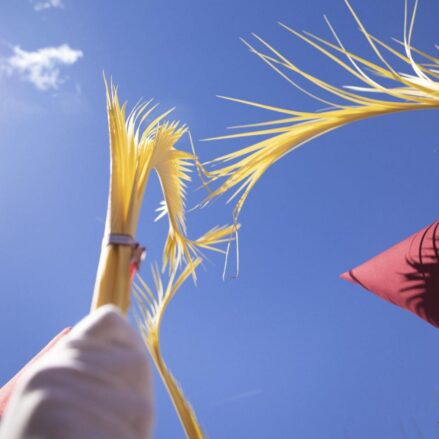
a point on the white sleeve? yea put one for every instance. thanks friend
(95, 383)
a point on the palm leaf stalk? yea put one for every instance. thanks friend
(132, 157)
(418, 90)
(134, 153)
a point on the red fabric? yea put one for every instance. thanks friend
(6, 390)
(133, 271)
(406, 274)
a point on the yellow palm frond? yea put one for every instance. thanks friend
(135, 151)
(153, 304)
(130, 167)
(417, 90)
(173, 169)
(151, 307)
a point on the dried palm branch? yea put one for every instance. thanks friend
(134, 153)
(130, 159)
(409, 91)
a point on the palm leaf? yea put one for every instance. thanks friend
(134, 153)
(130, 167)
(239, 171)
(151, 308)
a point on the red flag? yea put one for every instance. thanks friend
(7, 389)
(406, 274)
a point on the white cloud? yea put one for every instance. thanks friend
(42, 5)
(41, 67)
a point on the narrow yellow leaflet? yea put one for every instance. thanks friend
(434, 60)
(151, 308)
(313, 79)
(374, 67)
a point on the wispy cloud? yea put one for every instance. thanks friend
(40, 67)
(42, 5)
(239, 396)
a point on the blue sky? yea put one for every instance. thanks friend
(288, 350)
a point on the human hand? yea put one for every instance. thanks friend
(95, 383)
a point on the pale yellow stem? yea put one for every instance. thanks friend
(184, 410)
(112, 280)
